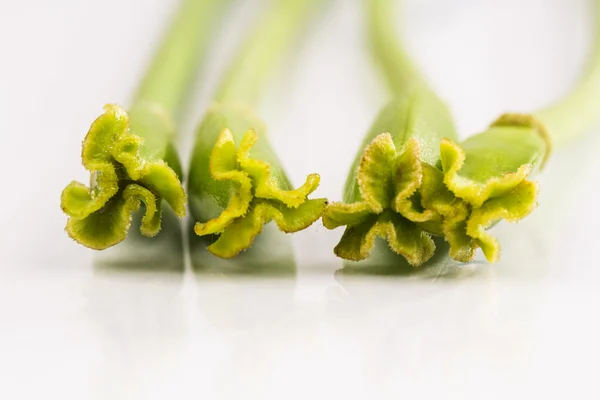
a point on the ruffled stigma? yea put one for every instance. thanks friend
(404, 200)
(257, 198)
(121, 181)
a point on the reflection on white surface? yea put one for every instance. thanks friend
(146, 336)
(525, 327)
(140, 327)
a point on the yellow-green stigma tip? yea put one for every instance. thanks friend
(121, 181)
(257, 198)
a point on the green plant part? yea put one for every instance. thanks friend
(381, 196)
(250, 191)
(234, 191)
(489, 172)
(413, 179)
(130, 154)
(237, 183)
(120, 181)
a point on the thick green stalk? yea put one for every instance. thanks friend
(259, 57)
(415, 110)
(399, 71)
(175, 64)
(233, 190)
(412, 180)
(577, 112)
(381, 195)
(130, 155)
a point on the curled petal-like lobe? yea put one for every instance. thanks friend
(374, 173)
(512, 208)
(256, 199)
(462, 246)
(224, 167)
(389, 205)
(407, 178)
(493, 163)
(340, 214)
(412, 210)
(109, 226)
(472, 191)
(487, 174)
(437, 197)
(265, 186)
(407, 170)
(126, 152)
(120, 181)
(477, 183)
(403, 237)
(164, 183)
(79, 201)
(240, 234)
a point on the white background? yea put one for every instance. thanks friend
(525, 327)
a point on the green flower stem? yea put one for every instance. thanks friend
(253, 66)
(130, 155)
(237, 182)
(175, 64)
(399, 72)
(577, 112)
(411, 179)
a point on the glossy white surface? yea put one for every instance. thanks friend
(526, 327)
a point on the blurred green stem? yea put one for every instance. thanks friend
(131, 154)
(399, 71)
(579, 111)
(175, 64)
(412, 179)
(237, 182)
(256, 61)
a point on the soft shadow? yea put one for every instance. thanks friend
(135, 307)
(162, 253)
(250, 319)
(406, 326)
(241, 308)
(140, 325)
(271, 255)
